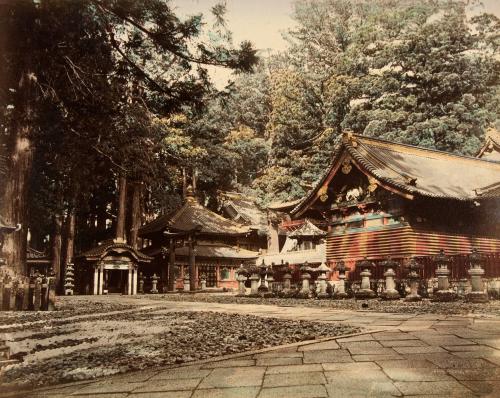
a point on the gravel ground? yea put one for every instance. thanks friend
(423, 307)
(55, 351)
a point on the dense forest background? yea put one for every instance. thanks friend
(94, 91)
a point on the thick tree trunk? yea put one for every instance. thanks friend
(56, 250)
(135, 214)
(122, 202)
(13, 204)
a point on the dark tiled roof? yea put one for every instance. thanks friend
(284, 206)
(111, 246)
(208, 250)
(412, 171)
(34, 255)
(192, 215)
(244, 208)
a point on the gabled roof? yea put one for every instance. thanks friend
(244, 208)
(307, 229)
(491, 148)
(108, 246)
(35, 256)
(192, 215)
(409, 171)
(284, 206)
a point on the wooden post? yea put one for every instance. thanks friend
(122, 200)
(13, 292)
(51, 294)
(101, 279)
(37, 294)
(129, 282)
(26, 294)
(171, 266)
(96, 280)
(7, 286)
(192, 265)
(134, 281)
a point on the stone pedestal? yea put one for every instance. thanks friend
(305, 291)
(340, 292)
(444, 293)
(414, 280)
(287, 286)
(242, 277)
(254, 282)
(365, 292)
(270, 281)
(203, 284)
(186, 284)
(390, 292)
(141, 283)
(322, 284)
(263, 289)
(476, 272)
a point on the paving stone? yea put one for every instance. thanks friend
(452, 388)
(477, 354)
(107, 388)
(181, 374)
(417, 374)
(345, 388)
(229, 363)
(446, 340)
(325, 345)
(361, 345)
(351, 366)
(476, 347)
(483, 387)
(163, 394)
(357, 376)
(373, 358)
(418, 350)
(234, 377)
(406, 363)
(293, 379)
(476, 374)
(368, 348)
(278, 361)
(403, 343)
(309, 391)
(235, 392)
(494, 343)
(460, 363)
(321, 356)
(168, 385)
(274, 354)
(364, 337)
(315, 367)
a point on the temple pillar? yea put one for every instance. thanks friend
(134, 282)
(96, 279)
(171, 266)
(101, 279)
(129, 282)
(192, 265)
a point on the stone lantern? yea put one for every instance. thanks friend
(365, 292)
(444, 293)
(476, 271)
(340, 292)
(414, 278)
(186, 284)
(390, 292)
(203, 281)
(263, 272)
(242, 277)
(322, 270)
(254, 281)
(305, 275)
(141, 283)
(270, 280)
(154, 281)
(287, 277)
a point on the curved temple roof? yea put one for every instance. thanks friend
(411, 171)
(98, 252)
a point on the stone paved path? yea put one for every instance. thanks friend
(420, 355)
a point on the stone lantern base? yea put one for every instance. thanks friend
(444, 296)
(413, 297)
(390, 295)
(476, 297)
(340, 295)
(365, 294)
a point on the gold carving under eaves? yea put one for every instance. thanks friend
(346, 166)
(372, 184)
(322, 193)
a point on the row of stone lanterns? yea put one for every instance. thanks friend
(262, 278)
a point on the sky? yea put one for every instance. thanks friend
(263, 22)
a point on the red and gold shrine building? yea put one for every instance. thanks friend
(380, 199)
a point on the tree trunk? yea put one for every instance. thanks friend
(13, 204)
(135, 214)
(56, 250)
(122, 201)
